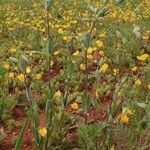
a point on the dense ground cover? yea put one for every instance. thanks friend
(75, 74)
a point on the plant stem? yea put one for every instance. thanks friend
(86, 59)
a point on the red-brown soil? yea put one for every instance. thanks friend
(19, 115)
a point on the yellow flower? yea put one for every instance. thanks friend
(104, 68)
(148, 86)
(124, 118)
(11, 75)
(102, 35)
(96, 94)
(99, 43)
(38, 76)
(21, 77)
(57, 94)
(138, 82)
(101, 53)
(82, 66)
(13, 50)
(90, 57)
(75, 106)
(56, 53)
(90, 50)
(6, 66)
(16, 68)
(31, 54)
(43, 132)
(134, 68)
(143, 57)
(76, 53)
(145, 37)
(115, 71)
(28, 70)
(127, 111)
(60, 31)
(65, 38)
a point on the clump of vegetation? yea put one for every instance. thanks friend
(84, 64)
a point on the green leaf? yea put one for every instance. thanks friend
(70, 68)
(22, 133)
(23, 61)
(28, 94)
(119, 1)
(13, 59)
(142, 105)
(86, 39)
(143, 124)
(118, 34)
(103, 12)
(36, 121)
(86, 103)
(25, 58)
(48, 4)
(88, 2)
(50, 46)
(105, 2)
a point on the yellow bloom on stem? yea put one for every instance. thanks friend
(57, 94)
(43, 132)
(11, 75)
(143, 57)
(138, 82)
(56, 53)
(104, 68)
(89, 56)
(16, 68)
(28, 70)
(127, 111)
(134, 68)
(115, 71)
(6, 66)
(82, 66)
(21, 77)
(76, 53)
(145, 37)
(90, 50)
(148, 86)
(102, 34)
(60, 31)
(75, 106)
(124, 118)
(38, 76)
(65, 38)
(99, 43)
(13, 50)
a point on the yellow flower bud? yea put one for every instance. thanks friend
(11, 75)
(21, 77)
(13, 50)
(38, 76)
(143, 57)
(60, 31)
(57, 94)
(75, 106)
(138, 82)
(43, 132)
(82, 66)
(28, 70)
(124, 118)
(104, 68)
(99, 43)
(56, 53)
(76, 53)
(6, 66)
